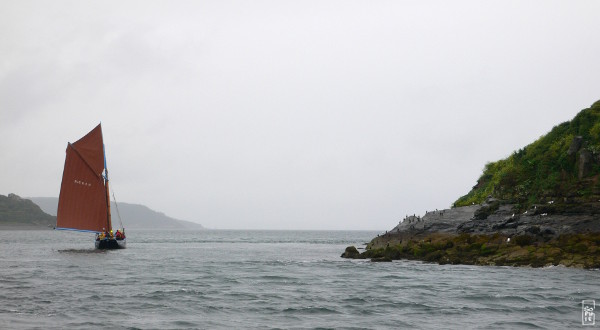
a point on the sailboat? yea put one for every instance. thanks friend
(84, 201)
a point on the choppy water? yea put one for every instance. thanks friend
(267, 279)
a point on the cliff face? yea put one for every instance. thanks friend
(19, 213)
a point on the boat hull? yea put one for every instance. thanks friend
(111, 244)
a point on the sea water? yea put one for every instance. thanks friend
(268, 279)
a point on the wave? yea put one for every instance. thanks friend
(310, 310)
(513, 325)
(83, 251)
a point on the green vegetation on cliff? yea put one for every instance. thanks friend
(17, 212)
(561, 164)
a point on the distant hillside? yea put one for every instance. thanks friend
(20, 213)
(134, 216)
(563, 165)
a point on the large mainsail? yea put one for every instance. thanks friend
(82, 204)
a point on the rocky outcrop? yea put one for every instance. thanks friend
(436, 221)
(505, 218)
(546, 211)
(571, 250)
(545, 234)
(553, 216)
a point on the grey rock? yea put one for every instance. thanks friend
(351, 252)
(575, 145)
(586, 160)
(504, 221)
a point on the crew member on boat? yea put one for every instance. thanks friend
(120, 234)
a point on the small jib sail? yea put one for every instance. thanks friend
(84, 202)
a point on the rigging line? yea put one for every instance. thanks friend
(116, 207)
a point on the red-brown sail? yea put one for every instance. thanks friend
(82, 204)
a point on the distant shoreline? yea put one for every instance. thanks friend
(24, 227)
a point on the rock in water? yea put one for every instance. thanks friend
(351, 252)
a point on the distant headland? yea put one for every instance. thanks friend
(21, 213)
(538, 207)
(35, 213)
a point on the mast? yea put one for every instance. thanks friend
(108, 220)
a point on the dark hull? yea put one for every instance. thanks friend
(110, 244)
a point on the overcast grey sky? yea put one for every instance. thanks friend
(288, 114)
